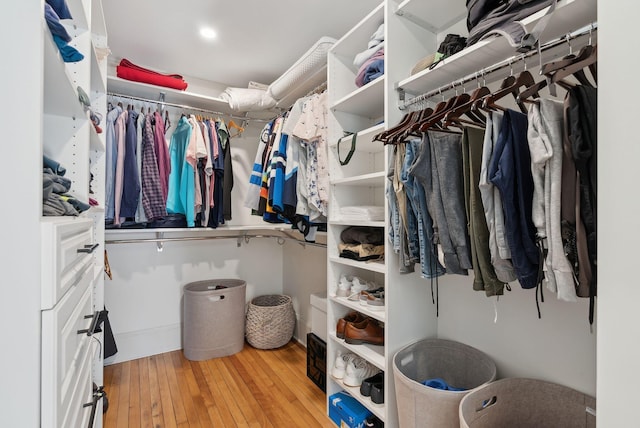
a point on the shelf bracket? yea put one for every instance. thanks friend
(161, 100)
(160, 244)
(401, 98)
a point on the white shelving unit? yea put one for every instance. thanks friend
(72, 247)
(412, 31)
(362, 182)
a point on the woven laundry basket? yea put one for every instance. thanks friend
(270, 321)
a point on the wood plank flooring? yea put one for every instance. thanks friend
(253, 388)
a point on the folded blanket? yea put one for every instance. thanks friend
(245, 99)
(128, 70)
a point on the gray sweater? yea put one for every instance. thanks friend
(544, 134)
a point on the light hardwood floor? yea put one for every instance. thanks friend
(253, 388)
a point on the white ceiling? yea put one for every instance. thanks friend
(257, 39)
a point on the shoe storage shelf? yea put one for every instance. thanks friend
(413, 30)
(357, 185)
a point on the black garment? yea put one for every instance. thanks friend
(362, 235)
(582, 130)
(131, 178)
(227, 181)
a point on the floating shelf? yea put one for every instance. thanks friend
(574, 14)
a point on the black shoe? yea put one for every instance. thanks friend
(377, 393)
(374, 422)
(365, 387)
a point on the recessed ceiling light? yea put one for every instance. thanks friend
(208, 33)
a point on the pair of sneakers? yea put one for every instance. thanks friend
(350, 287)
(352, 369)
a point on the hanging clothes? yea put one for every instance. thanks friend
(131, 176)
(546, 127)
(485, 277)
(510, 172)
(153, 199)
(111, 160)
(492, 204)
(120, 132)
(181, 192)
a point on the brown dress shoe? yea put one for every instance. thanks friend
(367, 331)
(352, 316)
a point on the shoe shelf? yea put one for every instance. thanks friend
(356, 306)
(374, 266)
(377, 409)
(372, 353)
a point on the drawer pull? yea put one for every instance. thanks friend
(88, 248)
(92, 327)
(98, 393)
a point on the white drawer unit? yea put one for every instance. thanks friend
(80, 404)
(67, 249)
(66, 343)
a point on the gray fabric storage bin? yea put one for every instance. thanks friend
(527, 403)
(460, 365)
(213, 318)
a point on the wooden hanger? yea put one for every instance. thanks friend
(399, 132)
(454, 115)
(589, 59)
(233, 125)
(452, 103)
(558, 71)
(524, 79)
(382, 136)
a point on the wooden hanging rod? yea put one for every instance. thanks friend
(187, 107)
(507, 63)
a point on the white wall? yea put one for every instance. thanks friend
(20, 232)
(558, 348)
(618, 208)
(144, 298)
(304, 272)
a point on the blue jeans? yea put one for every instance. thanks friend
(417, 202)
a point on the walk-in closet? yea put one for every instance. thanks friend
(334, 159)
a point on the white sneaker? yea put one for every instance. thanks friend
(357, 285)
(340, 364)
(358, 370)
(344, 286)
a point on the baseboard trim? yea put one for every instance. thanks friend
(144, 343)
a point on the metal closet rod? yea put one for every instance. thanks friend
(239, 237)
(186, 107)
(592, 28)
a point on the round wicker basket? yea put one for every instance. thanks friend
(270, 321)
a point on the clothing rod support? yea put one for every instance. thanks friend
(184, 107)
(585, 31)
